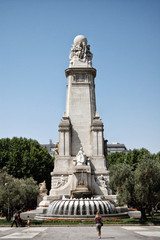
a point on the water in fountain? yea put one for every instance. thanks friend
(80, 207)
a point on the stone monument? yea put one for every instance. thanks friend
(80, 166)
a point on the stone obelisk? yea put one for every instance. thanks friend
(80, 159)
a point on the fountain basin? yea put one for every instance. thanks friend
(80, 207)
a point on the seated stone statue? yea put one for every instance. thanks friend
(42, 188)
(81, 158)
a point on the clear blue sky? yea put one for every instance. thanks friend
(35, 41)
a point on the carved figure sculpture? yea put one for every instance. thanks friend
(61, 182)
(81, 158)
(102, 181)
(81, 51)
(42, 185)
(42, 188)
(56, 149)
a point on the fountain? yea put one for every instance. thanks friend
(80, 179)
(80, 207)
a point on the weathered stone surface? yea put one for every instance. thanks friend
(134, 214)
(80, 162)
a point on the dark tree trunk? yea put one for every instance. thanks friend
(143, 214)
(149, 212)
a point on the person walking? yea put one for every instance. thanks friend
(28, 221)
(19, 220)
(99, 224)
(14, 220)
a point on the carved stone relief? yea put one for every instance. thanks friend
(59, 181)
(102, 181)
(81, 78)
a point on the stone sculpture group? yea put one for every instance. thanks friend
(80, 51)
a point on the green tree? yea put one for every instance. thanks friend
(17, 194)
(24, 158)
(116, 158)
(147, 184)
(140, 187)
(157, 156)
(132, 157)
(122, 182)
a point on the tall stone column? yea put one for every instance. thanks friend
(65, 137)
(80, 107)
(97, 136)
(80, 130)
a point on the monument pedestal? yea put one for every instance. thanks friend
(80, 166)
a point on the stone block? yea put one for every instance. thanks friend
(134, 214)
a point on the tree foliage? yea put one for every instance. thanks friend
(137, 186)
(17, 194)
(121, 181)
(131, 158)
(24, 158)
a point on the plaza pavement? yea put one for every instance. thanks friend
(81, 233)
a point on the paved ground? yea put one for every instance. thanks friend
(81, 233)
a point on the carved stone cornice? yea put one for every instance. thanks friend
(71, 71)
(97, 124)
(65, 124)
